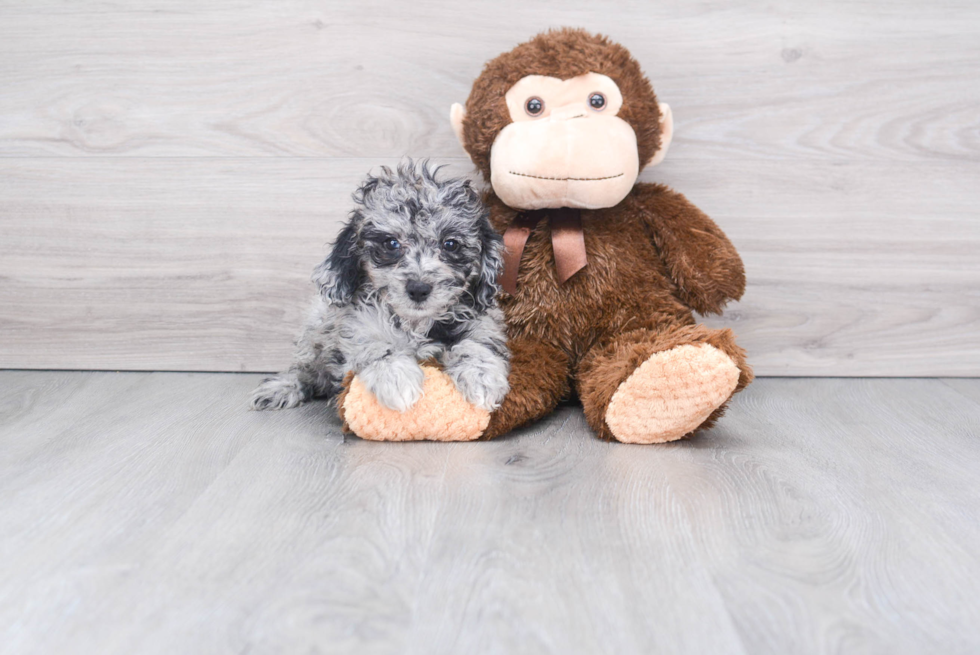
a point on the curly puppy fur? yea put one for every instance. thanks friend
(412, 276)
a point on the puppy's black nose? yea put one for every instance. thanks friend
(417, 290)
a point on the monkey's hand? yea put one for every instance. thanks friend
(700, 259)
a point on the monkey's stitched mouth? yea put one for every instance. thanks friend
(567, 179)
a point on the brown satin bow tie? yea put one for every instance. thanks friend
(567, 241)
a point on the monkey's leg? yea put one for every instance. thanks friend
(441, 414)
(538, 381)
(659, 385)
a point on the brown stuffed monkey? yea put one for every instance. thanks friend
(602, 273)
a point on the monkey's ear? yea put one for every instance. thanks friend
(456, 116)
(340, 273)
(666, 134)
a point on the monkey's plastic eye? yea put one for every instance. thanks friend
(534, 106)
(450, 245)
(597, 101)
(392, 244)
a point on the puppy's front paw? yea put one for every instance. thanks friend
(482, 387)
(280, 392)
(396, 382)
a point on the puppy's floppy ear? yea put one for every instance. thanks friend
(340, 273)
(491, 264)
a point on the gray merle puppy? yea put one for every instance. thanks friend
(412, 276)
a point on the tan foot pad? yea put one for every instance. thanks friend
(671, 394)
(442, 414)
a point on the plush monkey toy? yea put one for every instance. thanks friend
(602, 274)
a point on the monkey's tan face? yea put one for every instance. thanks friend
(566, 147)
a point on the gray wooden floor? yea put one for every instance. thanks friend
(150, 512)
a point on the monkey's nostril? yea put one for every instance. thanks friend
(568, 114)
(418, 290)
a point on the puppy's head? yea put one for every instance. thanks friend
(423, 245)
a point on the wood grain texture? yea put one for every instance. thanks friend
(830, 80)
(150, 512)
(169, 173)
(184, 264)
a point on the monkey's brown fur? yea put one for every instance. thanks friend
(652, 259)
(563, 54)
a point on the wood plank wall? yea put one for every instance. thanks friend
(170, 172)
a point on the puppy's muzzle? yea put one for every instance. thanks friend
(417, 290)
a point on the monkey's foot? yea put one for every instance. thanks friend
(441, 414)
(672, 393)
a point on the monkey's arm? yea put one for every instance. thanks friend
(700, 259)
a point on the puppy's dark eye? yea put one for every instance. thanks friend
(392, 244)
(534, 106)
(450, 245)
(597, 101)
